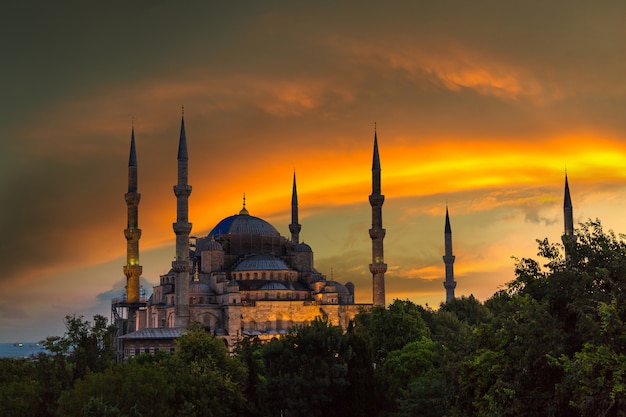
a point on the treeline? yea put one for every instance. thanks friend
(551, 343)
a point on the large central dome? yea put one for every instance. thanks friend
(243, 224)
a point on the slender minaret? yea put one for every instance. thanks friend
(294, 227)
(378, 267)
(568, 216)
(182, 228)
(132, 269)
(448, 260)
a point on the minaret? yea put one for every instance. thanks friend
(448, 260)
(294, 227)
(378, 267)
(568, 216)
(182, 228)
(132, 269)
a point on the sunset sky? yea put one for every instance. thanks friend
(482, 105)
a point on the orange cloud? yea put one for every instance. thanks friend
(454, 65)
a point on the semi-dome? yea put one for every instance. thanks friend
(273, 285)
(198, 288)
(302, 247)
(340, 288)
(213, 245)
(261, 263)
(244, 224)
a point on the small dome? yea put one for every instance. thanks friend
(261, 263)
(273, 285)
(340, 288)
(213, 245)
(198, 288)
(302, 247)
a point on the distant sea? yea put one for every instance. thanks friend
(20, 350)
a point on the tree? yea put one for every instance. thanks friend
(199, 379)
(392, 328)
(88, 347)
(306, 372)
(19, 388)
(411, 377)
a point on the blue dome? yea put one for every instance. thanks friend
(261, 263)
(244, 224)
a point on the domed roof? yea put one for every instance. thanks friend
(244, 224)
(273, 285)
(261, 263)
(213, 245)
(197, 287)
(340, 288)
(302, 247)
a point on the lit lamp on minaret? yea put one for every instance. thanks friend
(182, 265)
(448, 259)
(378, 267)
(132, 269)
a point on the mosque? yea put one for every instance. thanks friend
(242, 279)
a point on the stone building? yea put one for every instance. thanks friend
(242, 279)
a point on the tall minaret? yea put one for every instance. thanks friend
(132, 269)
(378, 267)
(448, 260)
(568, 216)
(182, 228)
(294, 227)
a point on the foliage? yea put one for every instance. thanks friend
(306, 371)
(18, 395)
(200, 379)
(88, 347)
(391, 328)
(552, 343)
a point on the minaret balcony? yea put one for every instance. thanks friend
(449, 285)
(132, 270)
(132, 198)
(378, 268)
(182, 190)
(377, 200)
(182, 228)
(132, 234)
(181, 265)
(377, 233)
(449, 259)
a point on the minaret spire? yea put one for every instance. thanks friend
(132, 269)
(448, 260)
(294, 227)
(378, 267)
(182, 265)
(568, 217)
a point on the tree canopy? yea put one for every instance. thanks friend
(551, 343)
